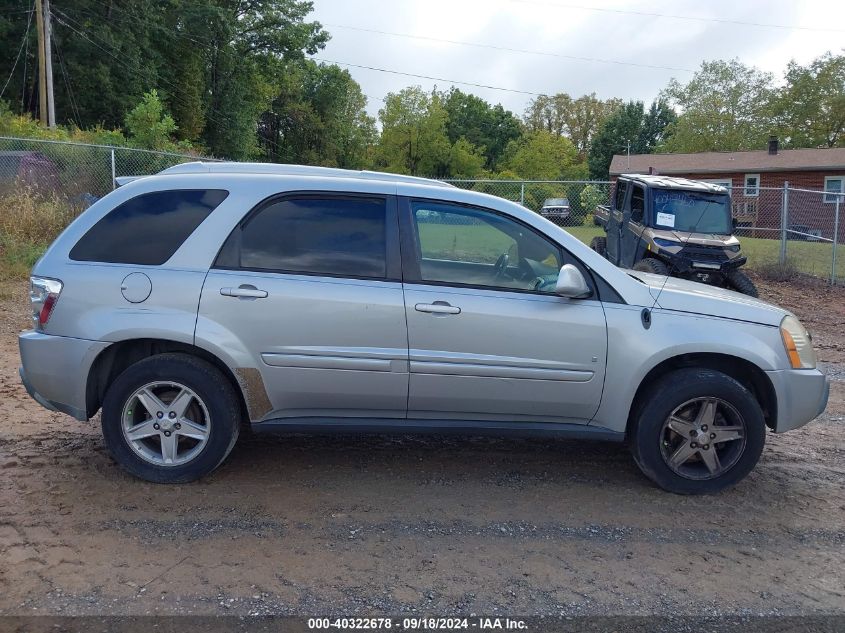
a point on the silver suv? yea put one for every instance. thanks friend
(212, 295)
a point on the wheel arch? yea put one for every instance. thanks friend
(117, 357)
(743, 371)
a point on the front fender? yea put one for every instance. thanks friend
(633, 351)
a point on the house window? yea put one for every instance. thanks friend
(834, 185)
(752, 185)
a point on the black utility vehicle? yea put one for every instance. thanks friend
(673, 226)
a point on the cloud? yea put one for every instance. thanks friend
(638, 39)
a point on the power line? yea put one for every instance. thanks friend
(18, 56)
(692, 18)
(66, 76)
(509, 49)
(25, 59)
(223, 125)
(451, 81)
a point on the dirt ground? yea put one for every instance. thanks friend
(438, 525)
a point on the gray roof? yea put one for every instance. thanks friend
(827, 159)
(667, 182)
(198, 167)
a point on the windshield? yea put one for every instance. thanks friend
(692, 211)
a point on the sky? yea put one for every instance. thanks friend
(576, 47)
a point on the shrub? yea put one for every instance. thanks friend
(29, 221)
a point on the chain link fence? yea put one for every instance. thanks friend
(567, 203)
(795, 228)
(799, 229)
(786, 227)
(76, 171)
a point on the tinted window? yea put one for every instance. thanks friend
(334, 236)
(637, 203)
(147, 229)
(474, 247)
(621, 189)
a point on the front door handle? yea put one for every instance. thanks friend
(438, 307)
(244, 291)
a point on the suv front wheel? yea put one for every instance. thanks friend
(170, 418)
(697, 431)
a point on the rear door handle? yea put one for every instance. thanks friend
(244, 291)
(438, 307)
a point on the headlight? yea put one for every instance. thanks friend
(796, 341)
(734, 248)
(666, 243)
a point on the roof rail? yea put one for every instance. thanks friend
(199, 167)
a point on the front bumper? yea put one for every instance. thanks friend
(54, 370)
(801, 395)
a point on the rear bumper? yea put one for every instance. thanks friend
(54, 370)
(801, 394)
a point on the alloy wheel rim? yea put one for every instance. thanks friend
(703, 438)
(165, 423)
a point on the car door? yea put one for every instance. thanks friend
(633, 227)
(614, 221)
(488, 339)
(306, 289)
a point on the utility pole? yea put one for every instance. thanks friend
(42, 64)
(48, 55)
(46, 107)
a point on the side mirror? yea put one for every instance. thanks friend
(734, 223)
(571, 283)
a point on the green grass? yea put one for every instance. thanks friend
(473, 242)
(812, 258)
(486, 244)
(18, 257)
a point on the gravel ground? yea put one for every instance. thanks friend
(429, 524)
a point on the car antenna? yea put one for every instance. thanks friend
(645, 315)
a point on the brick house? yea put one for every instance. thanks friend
(754, 177)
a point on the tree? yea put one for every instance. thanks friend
(592, 196)
(413, 138)
(630, 127)
(579, 119)
(655, 126)
(810, 109)
(318, 117)
(465, 160)
(149, 125)
(725, 106)
(212, 62)
(489, 128)
(540, 155)
(622, 128)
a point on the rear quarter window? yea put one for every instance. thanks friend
(147, 229)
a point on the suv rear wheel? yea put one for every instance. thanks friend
(170, 418)
(698, 431)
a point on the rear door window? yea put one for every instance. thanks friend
(147, 229)
(314, 235)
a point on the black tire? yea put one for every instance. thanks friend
(647, 435)
(651, 265)
(599, 245)
(213, 390)
(739, 281)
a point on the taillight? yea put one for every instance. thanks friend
(43, 295)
